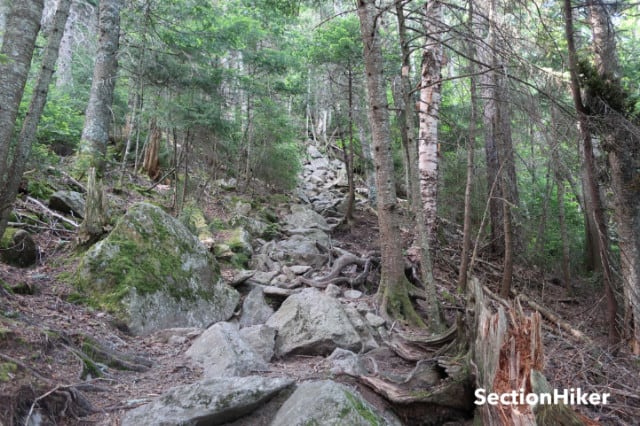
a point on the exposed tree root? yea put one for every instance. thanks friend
(333, 277)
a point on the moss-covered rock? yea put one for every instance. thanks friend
(153, 274)
(328, 403)
(17, 248)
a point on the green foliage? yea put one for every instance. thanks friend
(338, 42)
(276, 158)
(602, 91)
(61, 123)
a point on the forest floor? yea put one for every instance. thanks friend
(41, 331)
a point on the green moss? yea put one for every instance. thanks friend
(7, 369)
(39, 189)
(141, 257)
(365, 412)
(7, 238)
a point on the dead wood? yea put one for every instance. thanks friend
(37, 207)
(554, 318)
(507, 354)
(453, 393)
(428, 339)
(60, 402)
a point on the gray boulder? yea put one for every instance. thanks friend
(68, 202)
(303, 217)
(313, 152)
(262, 340)
(326, 403)
(223, 353)
(152, 273)
(209, 402)
(313, 323)
(299, 250)
(255, 309)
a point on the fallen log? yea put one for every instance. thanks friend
(555, 319)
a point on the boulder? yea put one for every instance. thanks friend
(17, 248)
(303, 217)
(209, 402)
(223, 353)
(312, 323)
(261, 338)
(313, 152)
(152, 273)
(326, 403)
(299, 250)
(69, 202)
(255, 309)
(234, 246)
(342, 361)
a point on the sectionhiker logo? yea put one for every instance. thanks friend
(573, 396)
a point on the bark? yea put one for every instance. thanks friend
(92, 227)
(392, 292)
(151, 161)
(98, 116)
(29, 126)
(508, 355)
(368, 160)
(349, 154)
(507, 270)
(4, 11)
(566, 275)
(488, 83)
(624, 161)
(471, 144)
(428, 112)
(595, 209)
(435, 322)
(22, 26)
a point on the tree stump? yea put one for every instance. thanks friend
(92, 228)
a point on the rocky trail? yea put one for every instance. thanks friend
(292, 339)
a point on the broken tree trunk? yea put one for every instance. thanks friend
(508, 356)
(92, 228)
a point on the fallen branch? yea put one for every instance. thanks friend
(556, 319)
(50, 212)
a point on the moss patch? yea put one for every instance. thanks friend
(363, 410)
(7, 370)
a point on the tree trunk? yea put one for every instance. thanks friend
(151, 161)
(507, 270)
(566, 275)
(92, 227)
(428, 113)
(4, 11)
(29, 126)
(392, 292)
(434, 315)
(624, 160)
(349, 154)
(22, 26)
(471, 146)
(595, 209)
(95, 133)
